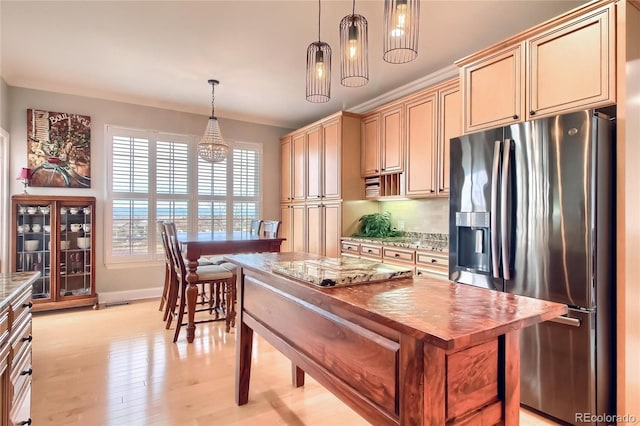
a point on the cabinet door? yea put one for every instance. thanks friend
(314, 229)
(450, 107)
(493, 90)
(285, 169)
(299, 173)
(34, 243)
(76, 249)
(314, 163)
(573, 66)
(332, 229)
(421, 145)
(332, 144)
(392, 140)
(298, 228)
(370, 145)
(285, 227)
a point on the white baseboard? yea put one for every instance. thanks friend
(128, 295)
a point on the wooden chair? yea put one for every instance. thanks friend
(170, 278)
(270, 228)
(220, 283)
(256, 224)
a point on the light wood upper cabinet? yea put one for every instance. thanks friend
(392, 141)
(494, 90)
(422, 131)
(370, 145)
(285, 170)
(332, 158)
(557, 67)
(299, 171)
(572, 66)
(314, 163)
(450, 107)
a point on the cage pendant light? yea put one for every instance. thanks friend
(354, 55)
(318, 69)
(212, 147)
(401, 24)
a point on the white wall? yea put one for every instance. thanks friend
(4, 102)
(104, 112)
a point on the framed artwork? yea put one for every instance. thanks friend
(59, 149)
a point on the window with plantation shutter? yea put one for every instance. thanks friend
(156, 176)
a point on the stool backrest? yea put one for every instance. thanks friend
(255, 226)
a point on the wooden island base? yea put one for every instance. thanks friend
(410, 351)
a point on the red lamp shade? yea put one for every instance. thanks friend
(25, 174)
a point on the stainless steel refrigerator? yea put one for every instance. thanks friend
(531, 213)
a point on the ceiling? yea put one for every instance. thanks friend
(161, 53)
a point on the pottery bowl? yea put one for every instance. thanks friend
(31, 245)
(84, 242)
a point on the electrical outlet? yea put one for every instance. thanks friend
(401, 225)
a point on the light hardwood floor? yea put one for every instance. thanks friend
(118, 366)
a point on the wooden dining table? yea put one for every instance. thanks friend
(218, 243)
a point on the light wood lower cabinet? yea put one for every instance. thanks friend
(426, 263)
(292, 228)
(323, 236)
(15, 359)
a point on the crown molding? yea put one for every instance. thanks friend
(409, 88)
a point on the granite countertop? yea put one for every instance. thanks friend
(421, 307)
(14, 282)
(330, 272)
(413, 240)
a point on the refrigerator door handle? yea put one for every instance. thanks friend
(504, 205)
(495, 266)
(573, 322)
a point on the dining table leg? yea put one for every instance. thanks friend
(192, 296)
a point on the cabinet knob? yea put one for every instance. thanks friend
(27, 305)
(397, 255)
(532, 112)
(375, 170)
(515, 117)
(28, 338)
(26, 372)
(349, 248)
(25, 422)
(434, 261)
(369, 251)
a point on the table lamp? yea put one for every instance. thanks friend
(25, 175)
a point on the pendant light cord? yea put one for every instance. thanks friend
(213, 97)
(353, 11)
(319, 8)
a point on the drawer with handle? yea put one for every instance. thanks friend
(350, 248)
(21, 307)
(371, 251)
(21, 340)
(20, 374)
(398, 255)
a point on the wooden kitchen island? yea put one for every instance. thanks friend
(406, 351)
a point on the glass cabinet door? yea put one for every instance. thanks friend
(34, 245)
(75, 250)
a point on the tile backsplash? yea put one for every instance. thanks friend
(428, 215)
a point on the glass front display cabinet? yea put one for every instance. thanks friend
(55, 235)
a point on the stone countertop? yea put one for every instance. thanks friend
(14, 282)
(416, 241)
(446, 314)
(330, 272)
